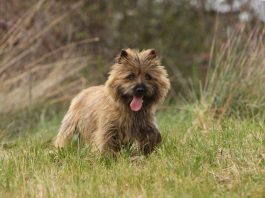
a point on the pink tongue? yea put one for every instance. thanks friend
(136, 103)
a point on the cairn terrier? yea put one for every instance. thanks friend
(122, 111)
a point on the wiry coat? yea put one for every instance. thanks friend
(102, 114)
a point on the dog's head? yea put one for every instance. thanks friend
(138, 79)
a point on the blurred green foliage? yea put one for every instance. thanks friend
(180, 33)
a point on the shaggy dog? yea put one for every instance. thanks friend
(122, 111)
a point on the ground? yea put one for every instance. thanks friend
(227, 160)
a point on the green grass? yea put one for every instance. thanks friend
(227, 160)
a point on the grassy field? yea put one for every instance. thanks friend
(213, 146)
(226, 160)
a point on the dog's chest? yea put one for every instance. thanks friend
(131, 126)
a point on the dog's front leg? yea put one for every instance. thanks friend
(106, 142)
(148, 139)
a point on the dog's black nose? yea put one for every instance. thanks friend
(140, 90)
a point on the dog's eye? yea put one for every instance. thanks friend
(130, 77)
(148, 77)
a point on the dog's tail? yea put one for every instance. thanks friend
(67, 129)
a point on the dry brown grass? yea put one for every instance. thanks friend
(235, 80)
(29, 72)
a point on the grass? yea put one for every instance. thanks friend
(228, 160)
(214, 147)
(234, 80)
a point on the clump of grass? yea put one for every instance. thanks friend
(30, 73)
(235, 80)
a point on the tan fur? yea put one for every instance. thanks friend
(102, 114)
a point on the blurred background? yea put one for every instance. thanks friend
(50, 50)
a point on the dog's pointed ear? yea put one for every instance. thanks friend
(123, 55)
(152, 54)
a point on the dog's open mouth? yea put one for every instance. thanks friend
(136, 103)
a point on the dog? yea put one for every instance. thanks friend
(122, 111)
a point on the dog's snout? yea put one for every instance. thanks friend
(140, 90)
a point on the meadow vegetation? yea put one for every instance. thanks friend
(227, 160)
(213, 123)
